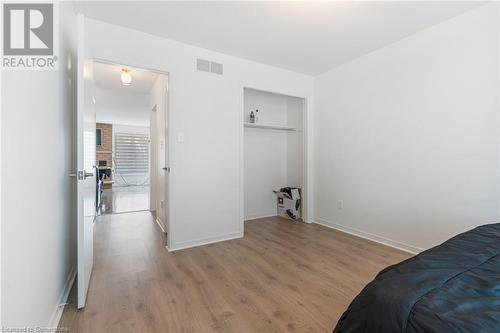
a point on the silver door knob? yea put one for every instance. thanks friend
(166, 169)
(81, 175)
(87, 174)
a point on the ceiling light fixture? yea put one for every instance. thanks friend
(126, 77)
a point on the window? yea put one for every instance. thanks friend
(98, 136)
(131, 153)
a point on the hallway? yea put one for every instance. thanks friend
(283, 276)
(123, 199)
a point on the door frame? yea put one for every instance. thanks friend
(305, 157)
(169, 139)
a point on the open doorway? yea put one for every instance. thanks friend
(126, 99)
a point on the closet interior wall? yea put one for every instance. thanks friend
(273, 158)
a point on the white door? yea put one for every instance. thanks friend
(163, 168)
(86, 174)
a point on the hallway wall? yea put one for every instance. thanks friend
(38, 224)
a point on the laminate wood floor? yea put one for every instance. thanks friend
(283, 276)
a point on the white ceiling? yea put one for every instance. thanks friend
(119, 104)
(308, 37)
(109, 76)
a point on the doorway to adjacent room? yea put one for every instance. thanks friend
(127, 103)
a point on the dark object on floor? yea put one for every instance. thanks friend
(453, 287)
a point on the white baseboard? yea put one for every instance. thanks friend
(163, 230)
(63, 298)
(159, 224)
(204, 241)
(366, 235)
(263, 216)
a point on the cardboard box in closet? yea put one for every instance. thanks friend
(288, 202)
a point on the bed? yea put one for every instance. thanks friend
(453, 287)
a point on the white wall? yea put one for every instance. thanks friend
(265, 170)
(408, 135)
(206, 109)
(119, 106)
(294, 142)
(38, 221)
(130, 129)
(273, 158)
(135, 178)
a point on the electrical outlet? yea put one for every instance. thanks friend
(162, 204)
(180, 137)
(340, 204)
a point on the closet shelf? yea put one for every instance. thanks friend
(273, 127)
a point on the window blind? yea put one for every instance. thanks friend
(131, 153)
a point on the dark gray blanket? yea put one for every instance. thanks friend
(453, 287)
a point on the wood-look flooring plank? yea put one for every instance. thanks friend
(283, 276)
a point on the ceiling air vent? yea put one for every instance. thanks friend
(203, 65)
(207, 66)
